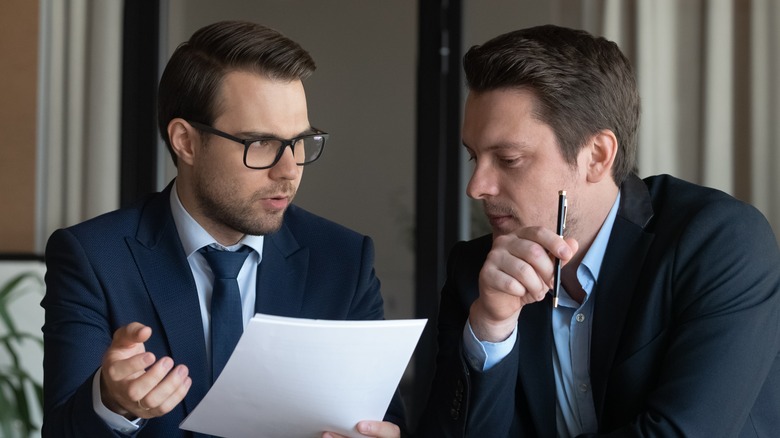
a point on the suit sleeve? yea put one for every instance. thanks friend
(444, 412)
(720, 355)
(76, 334)
(462, 397)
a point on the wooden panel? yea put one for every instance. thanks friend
(18, 88)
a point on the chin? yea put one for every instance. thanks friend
(271, 223)
(500, 231)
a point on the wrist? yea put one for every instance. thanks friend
(109, 402)
(488, 329)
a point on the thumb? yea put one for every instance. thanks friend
(131, 334)
(573, 246)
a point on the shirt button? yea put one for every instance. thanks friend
(580, 317)
(583, 387)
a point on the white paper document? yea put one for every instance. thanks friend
(291, 377)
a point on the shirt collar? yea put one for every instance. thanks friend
(193, 237)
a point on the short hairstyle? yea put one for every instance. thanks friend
(191, 81)
(582, 84)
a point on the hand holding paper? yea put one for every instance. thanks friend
(374, 429)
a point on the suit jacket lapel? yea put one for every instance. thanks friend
(535, 372)
(166, 273)
(281, 276)
(627, 248)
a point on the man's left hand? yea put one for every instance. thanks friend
(376, 429)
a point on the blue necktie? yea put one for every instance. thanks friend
(227, 321)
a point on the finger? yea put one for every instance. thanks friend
(127, 342)
(119, 367)
(527, 270)
(379, 429)
(496, 281)
(540, 248)
(167, 405)
(167, 391)
(573, 245)
(131, 334)
(547, 239)
(176, 397)
(143, 384)
(140, 410)
(129, 368)
(517, 266)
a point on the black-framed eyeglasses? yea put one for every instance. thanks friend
(265, 152)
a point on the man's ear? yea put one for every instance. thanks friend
(602, 150)
(183, 139)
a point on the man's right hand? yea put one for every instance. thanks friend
(518, 271)
(132, 384)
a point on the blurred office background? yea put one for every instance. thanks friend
(78, 130)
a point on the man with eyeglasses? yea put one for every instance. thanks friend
(134, 322)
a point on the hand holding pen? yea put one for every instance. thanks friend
(517, 272)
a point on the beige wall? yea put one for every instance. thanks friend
(18, 73)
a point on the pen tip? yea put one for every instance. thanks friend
(555, 301)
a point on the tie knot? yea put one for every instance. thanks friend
(225, 264)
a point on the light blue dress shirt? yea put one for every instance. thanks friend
(575, 411)
(193, 237)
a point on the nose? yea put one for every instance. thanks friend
(285, 168)
(483, 183)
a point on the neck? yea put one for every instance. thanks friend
(590, 219)
(225, 236)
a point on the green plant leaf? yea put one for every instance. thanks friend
(16, 384)
(12, 290)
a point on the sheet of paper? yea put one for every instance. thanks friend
(292, 377)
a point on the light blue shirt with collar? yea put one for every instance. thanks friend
(193, 237)
(575, 411)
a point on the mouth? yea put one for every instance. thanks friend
(499, 222)
(502, 218)
(277, 202)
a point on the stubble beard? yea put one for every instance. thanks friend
(498, 209)
(221, 205)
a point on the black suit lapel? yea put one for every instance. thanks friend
(627, 248)
(158, 252)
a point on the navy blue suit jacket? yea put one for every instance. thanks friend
(129, 265)
(685, 336)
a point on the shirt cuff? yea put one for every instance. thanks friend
(483, 355)
(114, 420)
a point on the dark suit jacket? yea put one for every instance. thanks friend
(129, 265)
(685, 336)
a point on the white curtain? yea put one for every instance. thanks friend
(707, 72)
(764, 92)
(78, 112)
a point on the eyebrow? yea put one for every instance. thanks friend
(255, 134)
(501, 146)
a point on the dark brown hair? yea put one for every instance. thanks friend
(582, 84)
(191, 81)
